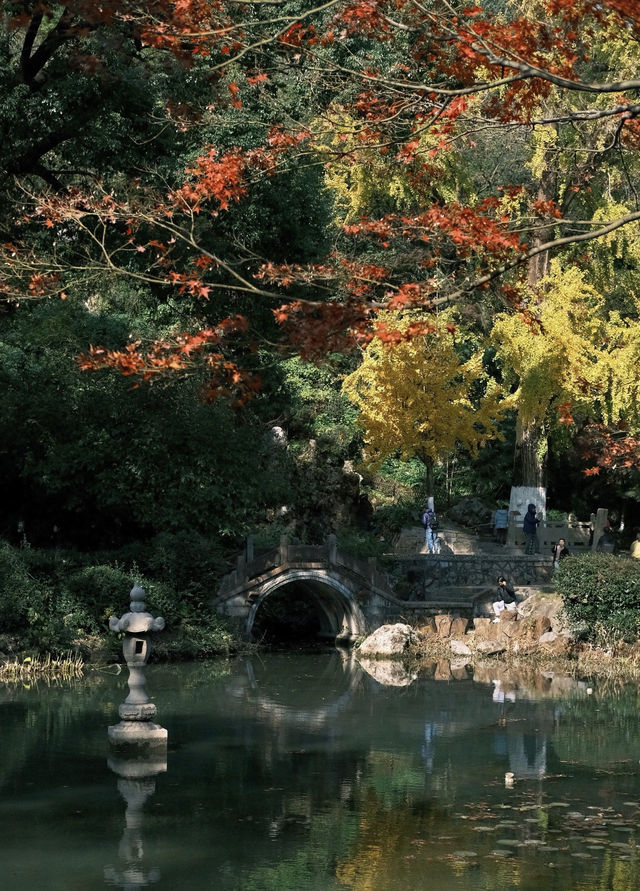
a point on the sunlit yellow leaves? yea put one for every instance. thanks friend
(419, 398)
(577, 354)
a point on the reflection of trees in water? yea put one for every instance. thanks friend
(387, 834)
(319, 774)
(601, 731)
(37, 718)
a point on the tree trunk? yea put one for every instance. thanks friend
(428, 477)
(538, 266)
(530, 464)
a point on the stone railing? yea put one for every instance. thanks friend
(579, 536)
(576, 535)
(251, 566)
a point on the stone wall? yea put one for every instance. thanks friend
(423, 576)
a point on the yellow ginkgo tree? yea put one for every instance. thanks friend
(565, 354)
(418, 396)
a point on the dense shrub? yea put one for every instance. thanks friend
(601, 595)
(55, 603)
(20, 593)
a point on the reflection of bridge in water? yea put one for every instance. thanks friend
(327, 701)
(349, 597)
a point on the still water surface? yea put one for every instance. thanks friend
(305, 773)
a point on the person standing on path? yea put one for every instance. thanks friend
(430, 523)
(500, 525)
(530, 529)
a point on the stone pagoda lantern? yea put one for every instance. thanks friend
(137, 711)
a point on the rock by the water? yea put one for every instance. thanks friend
(490, 647)
(458, 648)
(544, 607)
(388, 640)
(443, 625)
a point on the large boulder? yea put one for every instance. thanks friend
(388, 640)
(470, 512)
(547, 608)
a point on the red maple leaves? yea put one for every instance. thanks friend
(611, 450)
(220, 179)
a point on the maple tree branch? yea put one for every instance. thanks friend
(27, 44)
(539, 249)
(414, 87)
(527, 70)
(32, 64)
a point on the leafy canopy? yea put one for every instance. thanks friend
(415, 395)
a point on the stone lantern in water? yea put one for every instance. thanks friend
(137, 710)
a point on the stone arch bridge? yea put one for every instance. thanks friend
(351, 597)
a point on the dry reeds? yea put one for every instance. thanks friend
(48, 668)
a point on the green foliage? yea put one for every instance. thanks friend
(361, 544)
(107, 462)
(18, 591)
(51, 603)
(601, 595)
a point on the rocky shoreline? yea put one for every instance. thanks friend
(535, 636)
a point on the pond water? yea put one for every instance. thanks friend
(305, 772)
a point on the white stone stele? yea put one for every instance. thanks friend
(522, 496)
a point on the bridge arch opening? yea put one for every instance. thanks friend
(302, 608)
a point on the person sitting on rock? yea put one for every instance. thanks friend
(559, 551)
(507, 598)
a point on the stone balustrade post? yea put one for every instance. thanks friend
(332, 549)
(601, 520)
(284, 549)
(250, 549)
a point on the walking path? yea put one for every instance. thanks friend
(458, 539)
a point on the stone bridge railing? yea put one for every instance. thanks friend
(251, 566)
(408, 586)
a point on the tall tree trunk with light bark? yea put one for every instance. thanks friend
(530, 461)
